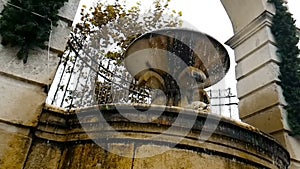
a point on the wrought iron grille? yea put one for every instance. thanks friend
(84, 80)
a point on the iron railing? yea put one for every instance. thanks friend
(86, 78)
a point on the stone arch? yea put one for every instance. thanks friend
(261, 100)
(242, 12)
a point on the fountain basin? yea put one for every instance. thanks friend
(90, 144)
(171, 50)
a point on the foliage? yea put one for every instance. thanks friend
(27, 23)
(108, 28)
(102, 35)
(284, 31)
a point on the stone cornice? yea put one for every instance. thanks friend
(265, 19)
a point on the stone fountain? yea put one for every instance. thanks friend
(177, 60)
(171, 132)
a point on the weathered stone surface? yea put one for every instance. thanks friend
(92, 156)
(60, 36)
(176, 158)
(38, 68)
(68, 11)
(22, 98)
(10, 128)
(20, 102)
(261, 77)
(256, 59)
(230, 143)
(269, 120)
(14, 146)
(263, 98)
(43, 155)
(253, 43)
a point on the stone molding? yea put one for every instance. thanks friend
(265, 19)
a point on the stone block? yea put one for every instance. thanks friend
(69, 10)
(253, 43)
(20, 102)
(259, 78)
(269, 120)
(38, 68)
(60, 36)
(256, 59)
(43, 155)
(263, 98)
(14, 146)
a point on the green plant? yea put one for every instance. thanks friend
(28, 23)
(284, 31)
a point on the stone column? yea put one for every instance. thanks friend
(23, 89)
(261, 100)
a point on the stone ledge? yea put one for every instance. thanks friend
(261, 99)
(87, 125)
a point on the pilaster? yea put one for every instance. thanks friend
(261, 100)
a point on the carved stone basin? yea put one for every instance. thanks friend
(172, 50)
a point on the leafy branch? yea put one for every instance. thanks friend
(27, 23)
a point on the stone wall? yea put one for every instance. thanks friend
(23, 90)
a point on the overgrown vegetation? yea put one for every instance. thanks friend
(27, 23)
(284, 31)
